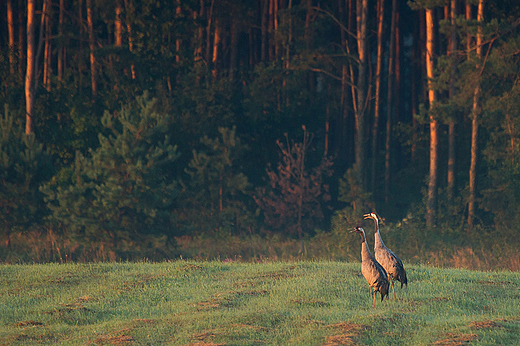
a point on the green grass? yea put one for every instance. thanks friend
(280, 303)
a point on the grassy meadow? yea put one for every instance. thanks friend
(232, 303)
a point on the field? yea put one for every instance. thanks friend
(231, 303)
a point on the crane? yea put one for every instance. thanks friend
(393, 265)
(373, 272)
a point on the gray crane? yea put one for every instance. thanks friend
(393, 265)
(373, 272)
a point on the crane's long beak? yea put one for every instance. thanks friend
(367, 216)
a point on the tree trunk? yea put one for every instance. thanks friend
(208, 31)
(377, 100)
(361, 19)
(92, 42)
(263, 23)
(118, 25)
(233, 53)
(130, 10)
(29, 75)
(474, 125)
(80, 49)
(431, 204)
(216, 44)
(61, 50)
(451, 123)
(47, 52)
(178, 40)
(390, 99)
(21, 53)
(10, 29)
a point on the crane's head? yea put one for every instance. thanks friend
(372, 216)
(360, 231)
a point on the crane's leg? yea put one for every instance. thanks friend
(393, 290)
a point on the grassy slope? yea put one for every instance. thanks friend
(215, 303)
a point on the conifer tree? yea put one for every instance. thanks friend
(216, 192)
(124, 189)
(24, 164)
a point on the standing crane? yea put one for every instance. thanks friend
(373, 272)
(392, 264)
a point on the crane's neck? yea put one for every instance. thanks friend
(378, 241)
(365, 252)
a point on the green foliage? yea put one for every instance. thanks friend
(352, 193)
(215, 196)
(123, 190)
(24, 164)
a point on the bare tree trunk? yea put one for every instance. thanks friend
(10, 29)
(61, 51)
(29, 75)
(92, 42)
(129, 10)
(47, 52)
(21, 53)
(390, 98)
(233, 49)
(474, 125)
(216, 44)
(451, 123)
(208, 31)
(264, 28)
(80, 50)
(199, 35)
(431, 204)
(178, 40)
(361, 20)
(118, 25)
(377, 100)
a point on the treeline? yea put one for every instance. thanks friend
(130, 124)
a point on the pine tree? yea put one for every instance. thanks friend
(124, 189)
(216, 194)
(24, 164)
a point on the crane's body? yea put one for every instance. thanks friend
(391, 263)
(373, 272)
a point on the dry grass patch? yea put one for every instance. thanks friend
(346, 333)
(118, 337)
(453, 339)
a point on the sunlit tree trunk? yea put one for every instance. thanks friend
(208, 31)
(10, 30)
(377, 96)
(199, 35)
(29, 74)
(216, 44)
(431, 203)
(118, 25)
(129, 13)
(92, 42)
(474, 124)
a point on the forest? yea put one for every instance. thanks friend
(156, 129)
